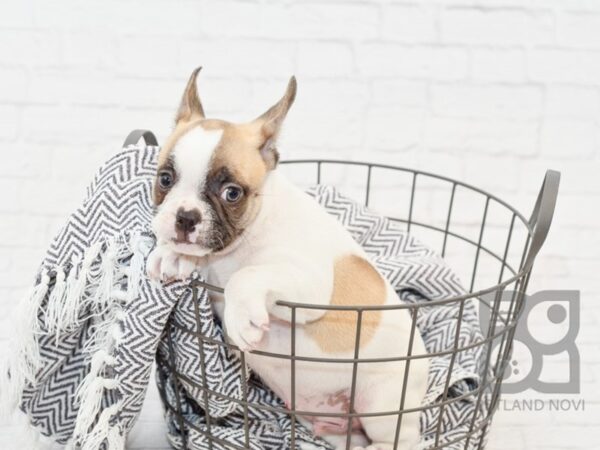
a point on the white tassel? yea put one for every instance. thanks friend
(70, 313)
(90, 402)
(56, 304)
(114, 333)
(24, 359)
(140, 247)
(37, 297)
(26, 341)
(89, 393)
(77, 296)
(106, 336)
(102, 430)
(100, 359)
(108, 269)
(106, 333)
(70, 296)
(116, 439)
(99, 340)
(120, 295)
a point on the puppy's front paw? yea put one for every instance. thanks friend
(164, 264)
(245, 322)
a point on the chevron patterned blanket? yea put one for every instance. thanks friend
(93, 324)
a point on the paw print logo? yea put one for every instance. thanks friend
(544, 355)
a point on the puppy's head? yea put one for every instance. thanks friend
(210, 174)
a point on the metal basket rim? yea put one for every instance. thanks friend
(523, 270)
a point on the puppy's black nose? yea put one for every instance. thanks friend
(186, 220)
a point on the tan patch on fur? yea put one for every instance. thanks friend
(355, 283)
(238, 150)
(190, 107)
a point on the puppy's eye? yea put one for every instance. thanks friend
(165, 179)
(232, 193)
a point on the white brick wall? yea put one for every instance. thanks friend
(489, 91)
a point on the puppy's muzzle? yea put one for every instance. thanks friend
(186, 221)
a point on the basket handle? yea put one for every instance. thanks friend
(134, 137)
(542, 215)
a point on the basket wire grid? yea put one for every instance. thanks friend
(502, 303)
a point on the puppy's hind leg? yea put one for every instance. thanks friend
(385, 396)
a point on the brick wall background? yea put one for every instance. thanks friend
(491, 92)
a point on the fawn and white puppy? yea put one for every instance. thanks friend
(223, 206)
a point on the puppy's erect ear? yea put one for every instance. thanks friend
(270, 123)
(190, 107)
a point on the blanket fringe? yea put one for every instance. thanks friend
(99, 361)
(108, 273)
(116, 439)
(106, 332)
(140, 248)
(87, 287)
(56, 300)
(90, 401)
(29, 350)
(105, 431)
(109, 300)
(69, 314)
(78, 289)
(24, 360)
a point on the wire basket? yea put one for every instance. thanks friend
(493, 244)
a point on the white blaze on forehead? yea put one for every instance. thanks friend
(192, 156)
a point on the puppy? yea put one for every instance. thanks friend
(223, 206)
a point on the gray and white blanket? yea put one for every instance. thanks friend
(93, 324)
